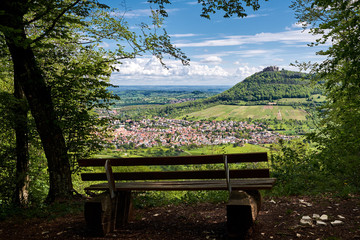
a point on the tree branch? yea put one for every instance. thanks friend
(62, 13)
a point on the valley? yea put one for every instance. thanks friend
(175, 120)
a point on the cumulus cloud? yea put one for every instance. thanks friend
(244, 71)
(297, 25)
(152, 67)
(148, 71)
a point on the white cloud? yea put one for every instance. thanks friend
(245, 71)
(278, 59)
(148, 71)
(143, 13)
(143, 67)
(184, 35)
(256, 15)
(212, 60)
(251, 52)
(104, 45)
(286, 37)
(297, 25)
(243, 53)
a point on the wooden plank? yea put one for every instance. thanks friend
(171, 175)
(110, 178)
(243, 184)
(178, 160)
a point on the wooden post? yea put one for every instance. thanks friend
(242, 210)
(123, 208)
(99, 214)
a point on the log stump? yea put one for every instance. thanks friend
(242, 210)
(104, 214)
(99, 214)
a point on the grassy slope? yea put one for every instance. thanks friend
(221, 112)
(227, 149)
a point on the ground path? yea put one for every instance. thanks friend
(278, 219)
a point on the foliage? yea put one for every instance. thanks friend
(296, 169)
(299, 170)
(231, 7)
(161, 198)
(43, 211)
(148, 96)
(64, 72)
(269, 85)
(338, 137)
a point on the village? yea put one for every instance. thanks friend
(176, 133)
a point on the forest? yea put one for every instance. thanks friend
(160, 95)
(270, 86)
(54, 81)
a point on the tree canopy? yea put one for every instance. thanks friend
(59, 72)
(338, 138)
(270, 85)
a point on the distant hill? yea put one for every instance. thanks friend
(269, 84)
(268, 87)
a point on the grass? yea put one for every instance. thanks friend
(42, 210)
(291, 100)
(217, 149)
(222, 112)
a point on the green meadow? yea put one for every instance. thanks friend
(185, 151)
(222, 112)
(226, 149)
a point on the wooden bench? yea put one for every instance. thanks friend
(112, 208)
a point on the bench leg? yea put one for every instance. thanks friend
(123, 208)
(100, 215)
(242, 210)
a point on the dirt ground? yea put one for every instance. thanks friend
(279, 218)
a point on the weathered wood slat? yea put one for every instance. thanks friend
(178, 160)
(239, 184)
(156, 175)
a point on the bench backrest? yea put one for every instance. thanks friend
(178, 160)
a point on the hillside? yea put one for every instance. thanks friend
(269, 84)
(222, 112)
(283, 88)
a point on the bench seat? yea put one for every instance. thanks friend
(236, 184)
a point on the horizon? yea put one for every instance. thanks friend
(198, 85)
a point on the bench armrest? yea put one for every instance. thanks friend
(110, 178)
(227, 173)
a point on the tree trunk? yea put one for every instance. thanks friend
(22, 149)
(39, 99)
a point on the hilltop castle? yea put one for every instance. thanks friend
(271, 69)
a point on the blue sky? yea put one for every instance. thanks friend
(223, 51)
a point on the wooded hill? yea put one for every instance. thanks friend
(258, 89)
(269, 84)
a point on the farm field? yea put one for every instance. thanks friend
(222, 112)
(206, 150)
(226, 149)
